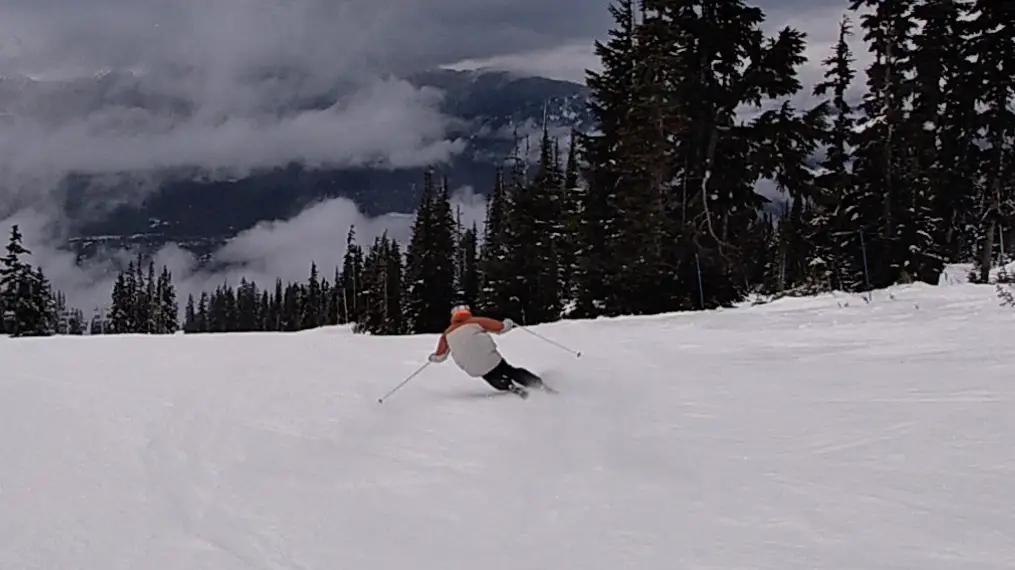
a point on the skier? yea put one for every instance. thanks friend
(468, 341)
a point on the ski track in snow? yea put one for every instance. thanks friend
(801, 434)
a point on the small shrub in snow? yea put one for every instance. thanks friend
(1005, 276)
(1005, 288)
(1006, 295)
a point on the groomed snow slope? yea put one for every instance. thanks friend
(796, 435)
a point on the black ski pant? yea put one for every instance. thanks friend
(502, 376)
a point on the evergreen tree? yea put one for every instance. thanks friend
(430, 261)
(608, 105)
(119, 311)
(124, 309)
(992, 44)
(99, 323)
(227, 310)
(470, 275)
(764, 269)
(276, 307)
(150, 302)
(459, 252)
(394, 318)
(382, 278)
(324, 317)
(17, 299)
(291, 309)
(266, 322)
(535, 230)
(731, 64)
(374, 289)
(352, 268)
(666, 109)
(336, 296)
(202, 324)
(76, 322)
(32, 307)
(44, 316)
(572, 219)
(248, 308)
(190, 316)
(143, 305)
(793, 138)
(140, 300)
(645, 162)
(61, 314)
(247, 299)
(497, 279)
(313, 305)
(835, 183)
(943, 120)
(893, 211)
(166, 306)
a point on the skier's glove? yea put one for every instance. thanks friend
(438, 358)
(508, 325)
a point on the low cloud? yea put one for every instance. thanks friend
(567, 62)
(386, 123)
(263, 253)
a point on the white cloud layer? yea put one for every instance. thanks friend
(567, 62)
(385, 122)
(394, 124)
(263, 253)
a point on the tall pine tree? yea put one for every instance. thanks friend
(830, 229)
(495, 262)
(993, 45)
(535, 232)
(470, 276)
(430, 261)
(608, 106)
(14, 274)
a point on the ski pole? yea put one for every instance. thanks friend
(577, 353)
(403, 383)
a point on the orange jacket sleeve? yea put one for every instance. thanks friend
(492, 325)
(442, 346)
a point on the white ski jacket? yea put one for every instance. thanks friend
(468, 340)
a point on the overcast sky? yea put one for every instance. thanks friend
(216, 48)
(331, 37)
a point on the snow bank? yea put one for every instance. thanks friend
(958, 273)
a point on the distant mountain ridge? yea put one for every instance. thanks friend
(489, 109)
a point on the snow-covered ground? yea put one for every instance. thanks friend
(958, 273)
(802, 434)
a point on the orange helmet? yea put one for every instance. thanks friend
(460, 312)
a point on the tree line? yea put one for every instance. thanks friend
(520, 265)
(29, 306)
(883, 190)
(523, 269)
(657, 210)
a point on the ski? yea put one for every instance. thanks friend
(524, 391)
(549, 390)
(518, 391)
(541, 385)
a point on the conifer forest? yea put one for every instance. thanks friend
(656, 210)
